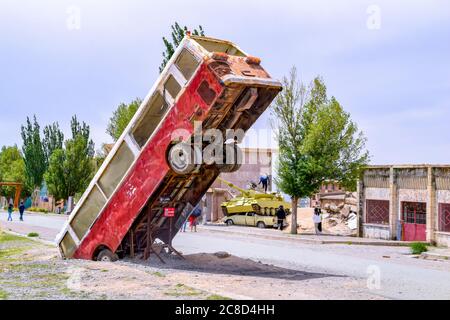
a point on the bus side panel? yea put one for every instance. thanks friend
(149, 170)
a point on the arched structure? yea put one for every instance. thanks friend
(18, 187)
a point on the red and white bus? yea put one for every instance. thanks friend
(207, 81)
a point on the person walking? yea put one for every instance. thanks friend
(317, 219)
(281, 215)
(193, 222)
(21, 210)
(10, 211)
(264, 180)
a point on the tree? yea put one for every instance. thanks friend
(178, 34)
(122, 117)
(317, 141)
(71, 167)
(33, 154)
(12, 169)
(53, 140)
(83, 130)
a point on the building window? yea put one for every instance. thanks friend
(414, 212)
(377, 211)
(444, 217)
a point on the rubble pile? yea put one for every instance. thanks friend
(341, 218)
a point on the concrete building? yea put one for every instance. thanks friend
(405, 202)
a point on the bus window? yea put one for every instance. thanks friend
(219, 46)
(187, 64)
(152, 116)
(116, 169)
(172, 86)
(88, 212)
(68, 246)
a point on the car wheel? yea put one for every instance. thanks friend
(261, 225)
(229, 222)
(107, 256)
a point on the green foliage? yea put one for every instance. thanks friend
(418, 247)
(12, 169)
(33, 154)
(177, 36)
(71, 168)
(33, 235)
(34, 209)
(53, 140)
(122, 117)
(317, 139)
(83, 130)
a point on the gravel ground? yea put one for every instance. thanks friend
(32, 270)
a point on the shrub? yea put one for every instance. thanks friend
(33, 235)
(34, 209)
(418, 247)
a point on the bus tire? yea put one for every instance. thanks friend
(107, 255)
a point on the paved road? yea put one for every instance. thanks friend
(400, 276)
(47, 225)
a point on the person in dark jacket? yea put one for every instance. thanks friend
(264, 180)
(281, 215)
(10, 211)
(21, 210)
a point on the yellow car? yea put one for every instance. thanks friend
(252, 219)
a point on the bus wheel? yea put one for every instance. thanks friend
(107, 256)
(182, 158)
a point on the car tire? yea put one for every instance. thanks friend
(229, 222)
(261, 225)
(107, 255)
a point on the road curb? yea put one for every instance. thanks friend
(356, 241)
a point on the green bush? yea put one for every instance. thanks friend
(33, 235)
(34, 209)
(418, 247)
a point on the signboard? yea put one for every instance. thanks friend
(169, 212)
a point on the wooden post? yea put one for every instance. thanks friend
(131, 244)
(149, 237)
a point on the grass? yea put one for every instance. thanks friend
(33, 235)
(217, 297)
(158, 274)
(6, 253)
(182, 290)
(6, 237)
(3, 295)
(418, 247)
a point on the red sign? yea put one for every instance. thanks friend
(169, 212)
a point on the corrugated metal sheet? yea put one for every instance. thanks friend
(376, 178)
(442, 178)
(414, 178)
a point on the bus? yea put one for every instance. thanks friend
(156, 164)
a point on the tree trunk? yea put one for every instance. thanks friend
(294, 215)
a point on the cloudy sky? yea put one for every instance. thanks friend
(387, 62)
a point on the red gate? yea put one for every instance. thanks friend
(444, 217)
(414, 221)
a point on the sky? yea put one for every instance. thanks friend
(386, 62)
